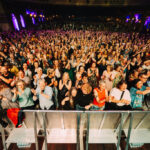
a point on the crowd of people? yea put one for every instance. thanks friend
(74, 70)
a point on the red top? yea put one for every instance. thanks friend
(101, 96)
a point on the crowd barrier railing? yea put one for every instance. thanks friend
(99, 127)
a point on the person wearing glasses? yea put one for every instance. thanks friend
(44, 93)
(23, 95)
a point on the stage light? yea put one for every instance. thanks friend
(127, 18)
(27, 12)
(33, 20)
(15, 22)
(137, 17)
(22, 21)
(147, 22)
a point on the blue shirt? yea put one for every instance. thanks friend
(25, 99)
(45, 102)
(136, 99)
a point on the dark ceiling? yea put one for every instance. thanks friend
(105, 3)
(80, 7)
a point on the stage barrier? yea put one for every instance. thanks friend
(99, 127)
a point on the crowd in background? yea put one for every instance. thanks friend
(74, 70)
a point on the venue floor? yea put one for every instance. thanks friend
(73, 146)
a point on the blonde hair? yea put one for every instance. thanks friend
(49, 71)
(65, 73)
(101, 82)
(20, 81)
(39, 69)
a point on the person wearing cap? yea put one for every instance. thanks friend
(137, 94)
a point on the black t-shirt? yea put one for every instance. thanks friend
(84, 99)
(48, 80)
(130, 84)
(68, 106)
(133, 67)
(101, 68)
(88, 65)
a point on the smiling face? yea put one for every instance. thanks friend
(139, 85)
(42, 85)
(36, 64)
(143, 78)
(78, 76)
(85, 79)
(136, 74)
(25, 66)
(108, 68)
(39, 71)
(21, 74)
(81, 69)
(102, 86)
(93, 65)
(123, 87)
(65, 76)
(20, 85)
(4, 70)
(74, 92)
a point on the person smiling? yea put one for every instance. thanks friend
(24, 97)
(119, 98)
(137, 94)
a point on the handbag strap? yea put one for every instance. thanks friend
(122, 95)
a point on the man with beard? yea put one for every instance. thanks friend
(6, 77)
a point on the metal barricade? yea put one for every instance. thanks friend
(99, 127)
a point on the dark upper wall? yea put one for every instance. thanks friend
(5, 23)
(106, 3)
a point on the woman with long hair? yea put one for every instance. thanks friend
(93, 75)
(85, 97)
(52, 82)
(107, 76)
(69, 102)
(64, 86)
(24, 97)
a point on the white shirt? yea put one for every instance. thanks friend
(117, 94)
(28, 73)
(45, 102)
(57, 73)
(146, 67)
(42, 77)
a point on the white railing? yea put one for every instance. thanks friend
(71, 126)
